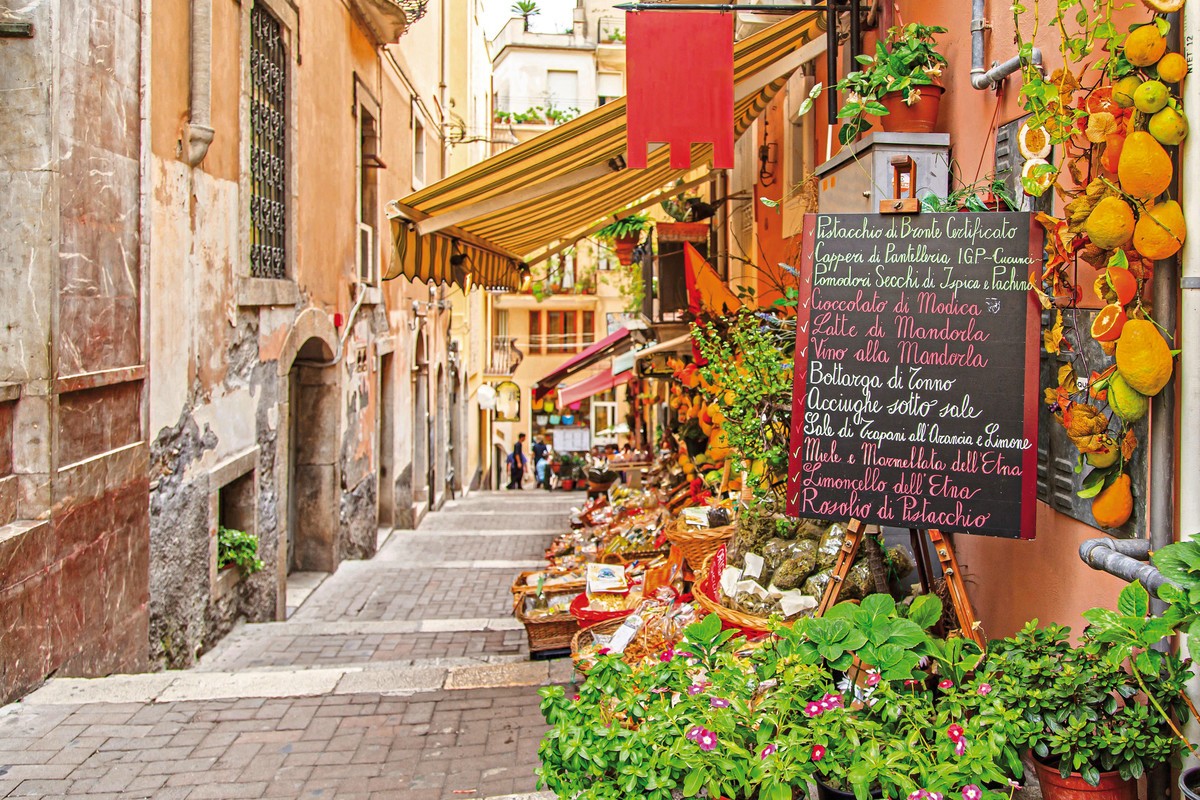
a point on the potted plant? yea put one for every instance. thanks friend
(989, 194)
(897, 84)
(1105, 714)
(625, 233)
(238, 549)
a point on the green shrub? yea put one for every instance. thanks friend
(238, 548)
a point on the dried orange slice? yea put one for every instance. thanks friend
(1107, 325)
(1164, 6)
(1033, 142)
(1123, 283)
(1101, 99)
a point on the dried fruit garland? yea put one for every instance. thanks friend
(1112, 176)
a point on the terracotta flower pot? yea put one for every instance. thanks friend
(920, 117)
(624, 246)
(1055, 787)
(568, 484)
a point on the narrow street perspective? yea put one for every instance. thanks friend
(401, 677)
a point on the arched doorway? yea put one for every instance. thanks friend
(313, 491)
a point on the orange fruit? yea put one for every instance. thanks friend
(1110, 224)
(1160, 232)
(1101, 99)
(1172, 67)
(1145, 46)
(1168, 126)
(1143, 357)
(1123, 283)
(1145, 169)
(1114, 505)
(1107, 325)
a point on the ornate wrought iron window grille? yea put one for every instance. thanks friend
(268, 146)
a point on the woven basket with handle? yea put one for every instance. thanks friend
(738, 619)
(697, 545)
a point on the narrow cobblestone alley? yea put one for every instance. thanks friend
(401, 677)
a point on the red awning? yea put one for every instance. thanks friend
(613, 344)
(590, 386)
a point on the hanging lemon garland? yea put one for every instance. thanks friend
(1113, 124)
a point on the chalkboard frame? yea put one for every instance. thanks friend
(1031, 396)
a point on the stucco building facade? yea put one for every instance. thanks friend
(199, 336)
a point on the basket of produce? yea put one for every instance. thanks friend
(592, 611)
(697, 544)
(701, 592)
(547, 619)
(557, 580)
(653, 629)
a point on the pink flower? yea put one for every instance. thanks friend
(694, 733)
(766, 751)
(946, 684)
(667, 655)
(955, 732)
(813, 709)
(603, 651)
(575, 698)
(696, 688)
(718, 702)
(911, 683)
(818, 752)
(919, 794)
(960, 746)
(707, 740)
(972, 792)
(831, 701)
(935, 796)
(985, 688)
(872, 679)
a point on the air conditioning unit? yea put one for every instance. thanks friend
(368, 259)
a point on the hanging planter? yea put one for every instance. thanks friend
(624, 248)
(920, 117)
(624, 234)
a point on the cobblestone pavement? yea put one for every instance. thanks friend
(403, 677)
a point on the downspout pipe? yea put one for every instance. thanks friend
(1126, 559)
(991, 78)
(199, 126)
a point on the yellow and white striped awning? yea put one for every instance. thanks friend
(555, 187)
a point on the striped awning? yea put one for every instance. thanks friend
(555, 187)
(432, 259)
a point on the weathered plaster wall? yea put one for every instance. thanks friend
(73, 595)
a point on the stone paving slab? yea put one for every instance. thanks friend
(448, 744)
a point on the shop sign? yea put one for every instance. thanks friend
(916, 396)
(572, 439)
(508, 402)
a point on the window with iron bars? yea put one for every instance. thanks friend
(268, 146)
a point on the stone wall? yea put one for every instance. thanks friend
(74, 517)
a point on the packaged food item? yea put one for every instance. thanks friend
(831, 542)
(792, 573)
(859, 582)
(816, 583)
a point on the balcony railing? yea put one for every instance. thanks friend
(553, 343)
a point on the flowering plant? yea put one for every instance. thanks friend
(1096, 707)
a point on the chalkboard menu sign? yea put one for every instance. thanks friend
(916, 395)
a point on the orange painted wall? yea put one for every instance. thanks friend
(1009, 581)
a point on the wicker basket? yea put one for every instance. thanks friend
(520, 587)
(737, 619)
(548, 633)
(698, 545)
(582, 637)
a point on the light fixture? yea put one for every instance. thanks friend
(458, 267)
(526, 276)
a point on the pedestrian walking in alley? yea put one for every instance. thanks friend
(540, 453)
(516, 463)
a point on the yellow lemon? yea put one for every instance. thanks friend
(1110, 224)
(1123, 90)
(1168, 126)
(1160, 232)
(1145, 169)
(1127, 403)
(1107, 455)
(1172, 67)
(1151, 97)
(1145, 46)
(1143, 357)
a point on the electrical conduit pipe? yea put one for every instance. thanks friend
(991, 78)
(1126, 559)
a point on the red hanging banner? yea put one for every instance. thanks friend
(680, 85)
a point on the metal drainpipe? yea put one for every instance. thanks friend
(1123, 558)
(990, 78)
(199, 127)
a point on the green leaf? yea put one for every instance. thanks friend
(694, 780)
(925, 610)
(1134, 601)
(1093, 484)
